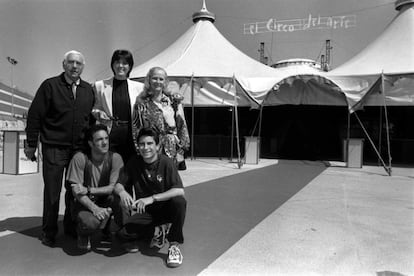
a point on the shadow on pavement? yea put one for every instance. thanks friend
(29, 226)
(220, 212)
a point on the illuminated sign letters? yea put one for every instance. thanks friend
(309, 23)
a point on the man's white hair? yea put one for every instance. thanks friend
(65, 57)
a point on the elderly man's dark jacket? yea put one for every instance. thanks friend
(57, 115)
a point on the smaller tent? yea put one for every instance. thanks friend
(304, 85)
(390, 55)
(386, 69)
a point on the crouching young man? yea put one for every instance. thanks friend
(92, 176)
(159, 195)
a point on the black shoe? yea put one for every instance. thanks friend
(106, 235)
(84, 243)
(123, 236)
(47, 240)
(182, 166)
(70, 233)
(131, 247)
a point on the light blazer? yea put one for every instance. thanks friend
(102, 109)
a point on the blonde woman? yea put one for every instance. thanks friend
(157, 108)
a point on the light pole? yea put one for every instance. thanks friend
(13, 63)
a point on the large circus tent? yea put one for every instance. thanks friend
(209, 71)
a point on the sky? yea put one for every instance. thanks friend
(37, 33)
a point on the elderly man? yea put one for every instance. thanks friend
(59, 114)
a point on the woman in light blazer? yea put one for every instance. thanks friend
(115, 99)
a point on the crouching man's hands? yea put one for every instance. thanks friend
(142, 203)
(101, 213)
(127, 201)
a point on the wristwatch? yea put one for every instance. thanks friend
(89, 191)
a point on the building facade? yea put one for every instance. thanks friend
(14, 105)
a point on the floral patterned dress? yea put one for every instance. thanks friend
(167, 118)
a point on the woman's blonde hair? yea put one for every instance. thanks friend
(147, 81)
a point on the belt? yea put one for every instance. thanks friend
(118, 122)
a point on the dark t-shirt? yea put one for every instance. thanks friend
(149, 179)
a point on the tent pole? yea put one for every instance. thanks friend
(260, 120)
(386, 124)
(348, 136)
(192, 117)
(239, 164)
(232, 134)
(372, 144)
(380, 131)
(260, 128)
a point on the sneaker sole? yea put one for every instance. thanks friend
(131, 250)
(173, 265)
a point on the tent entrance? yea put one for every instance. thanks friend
(326, 126)
(304, 132)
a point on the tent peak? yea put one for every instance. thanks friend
(400, 3)
(204, 14)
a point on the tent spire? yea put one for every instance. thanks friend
(399, 4)
(204, 14)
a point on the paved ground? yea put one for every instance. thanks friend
(339, 221)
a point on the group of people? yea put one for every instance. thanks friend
(117, 145)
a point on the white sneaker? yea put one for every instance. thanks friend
(175, 258)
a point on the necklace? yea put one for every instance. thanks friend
(152, 169)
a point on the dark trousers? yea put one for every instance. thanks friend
(121, 142)
(87, 223)
(172, 211)
(55, 160)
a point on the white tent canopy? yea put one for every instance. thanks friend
(204, 58)
(390, 55)
(209, 71)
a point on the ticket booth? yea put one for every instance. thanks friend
(252, 150)
(14, 160)
(353, 152)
